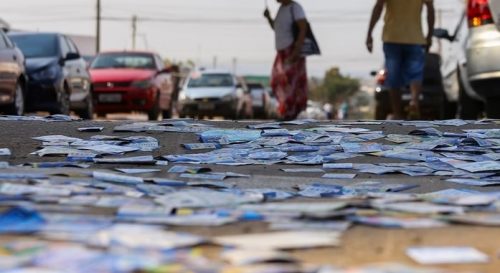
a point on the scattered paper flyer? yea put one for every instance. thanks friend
(446, 255)
(281, 240)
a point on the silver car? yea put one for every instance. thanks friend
(472, 71)
(215, 94)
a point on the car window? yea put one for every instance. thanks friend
(3, 41)
(72, 47)
(211, 80)
(64, 46)
(37, 45)
(159, 62)
(124, 60)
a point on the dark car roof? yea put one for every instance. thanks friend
(33, 33)
(128, 52)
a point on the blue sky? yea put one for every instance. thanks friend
(228, 29)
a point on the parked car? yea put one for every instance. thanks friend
(58, 77)
(213, 93)
(259, 99)
(131, 81)
(314, 110)
(473, 66)
(434, 103)
(272, 105)
(12, 77)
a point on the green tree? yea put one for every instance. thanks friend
(335, 87)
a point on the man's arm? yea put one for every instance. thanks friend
(376, 14)
(431, 19)
(270, 20)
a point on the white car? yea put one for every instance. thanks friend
(472, 71)
(213, 93)
(314, 110)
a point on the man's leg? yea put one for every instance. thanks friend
(396, 104)
(416, 90)
(393, 65)
(413, 71)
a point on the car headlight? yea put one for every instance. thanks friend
(143, 84)
(48, 73)
(183, 96)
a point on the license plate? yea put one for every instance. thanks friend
(206, 106)
(110, 98)
(407, 97)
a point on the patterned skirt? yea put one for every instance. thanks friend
(289, 84)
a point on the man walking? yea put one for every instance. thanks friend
(405, 47)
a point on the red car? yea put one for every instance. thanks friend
(131, 81)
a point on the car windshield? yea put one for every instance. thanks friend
(211, 80)
(128, 61)
(37, 45)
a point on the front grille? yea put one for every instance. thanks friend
(105, 85)
(208, 100)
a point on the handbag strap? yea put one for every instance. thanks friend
(292, 7)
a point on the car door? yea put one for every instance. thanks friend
(82, 82)
(73, 68)
(9, 68)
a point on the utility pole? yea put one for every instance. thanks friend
(98, 27)
(134, 31)
(235, 65)
(214, 64)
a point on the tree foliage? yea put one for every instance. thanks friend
(335, 87)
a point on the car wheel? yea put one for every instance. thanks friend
(17, 107)
(88, 112)
(383, 107)
(154, 113)
(469, 108)
(63, 102)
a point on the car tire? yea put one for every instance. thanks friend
(18, 105)
(468, 108)
(88, 112)
(383, 107)
(154, 113)
(62, 102)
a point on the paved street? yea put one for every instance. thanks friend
(359, 245)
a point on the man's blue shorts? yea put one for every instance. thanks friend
(404, 63)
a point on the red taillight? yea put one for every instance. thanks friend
(381, 76)
(479, 13)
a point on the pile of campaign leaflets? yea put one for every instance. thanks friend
(127, 203)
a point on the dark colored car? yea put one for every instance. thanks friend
(12, 77)
(433, 101)
(58, 77)
(132, 81)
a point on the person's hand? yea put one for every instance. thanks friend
(369, 43)
(429, 43)
(295, 56)
(267, 13)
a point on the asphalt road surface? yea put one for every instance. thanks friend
(360, 244)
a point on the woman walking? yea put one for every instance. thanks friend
(289, 75)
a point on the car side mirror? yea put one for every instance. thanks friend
(72, 56)
(442, 33)
(373, 73)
